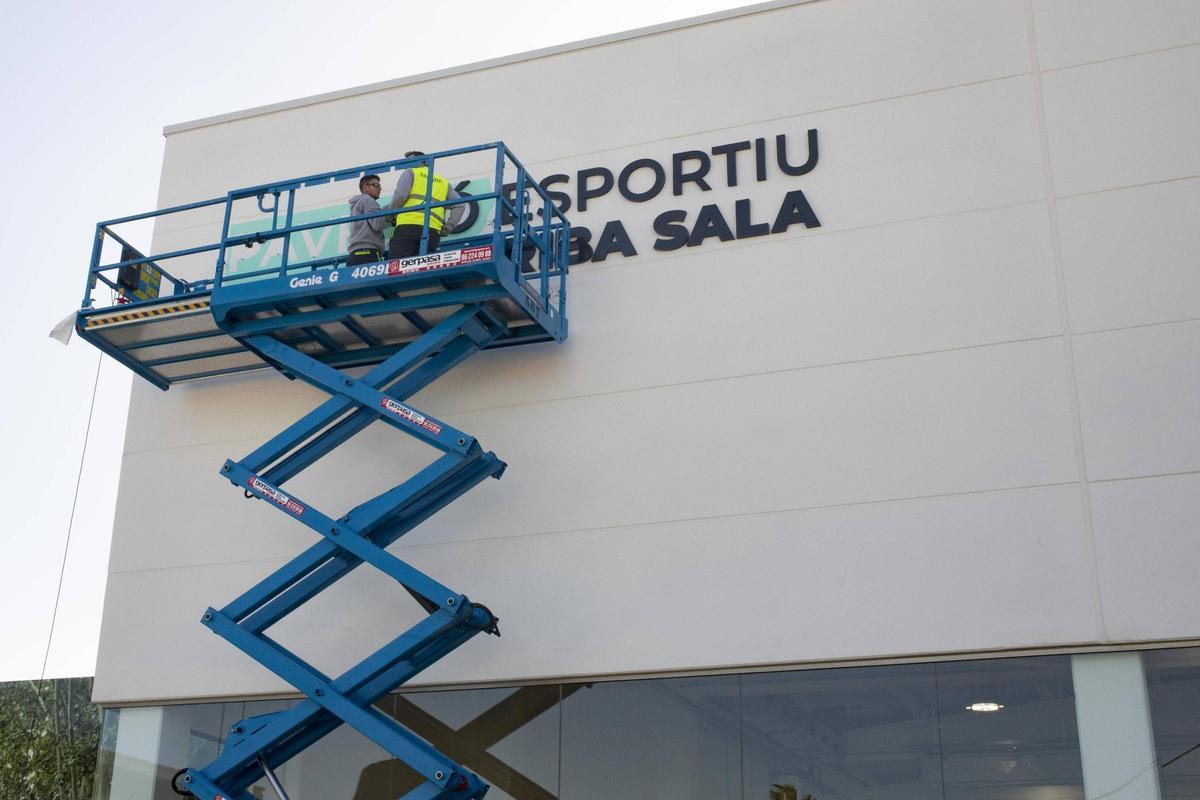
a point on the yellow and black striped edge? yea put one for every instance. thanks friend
(145, 313)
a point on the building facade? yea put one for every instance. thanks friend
(880, 409)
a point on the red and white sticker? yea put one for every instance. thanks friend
(401, 410)
(261, 486)
(472, 254)
(451, 258)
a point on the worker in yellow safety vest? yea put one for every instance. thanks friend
(410, 191)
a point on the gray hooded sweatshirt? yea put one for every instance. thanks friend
(366, 233)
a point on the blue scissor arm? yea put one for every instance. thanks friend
(411, 320)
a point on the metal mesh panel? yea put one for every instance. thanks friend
(182, 369)
(185, 348)
(183, 324)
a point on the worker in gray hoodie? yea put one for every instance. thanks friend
(366, 235)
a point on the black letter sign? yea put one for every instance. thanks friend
(795, 208)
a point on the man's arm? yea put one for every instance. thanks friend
(456, 212)
(403, 189)
(363, 204)
(367, 205)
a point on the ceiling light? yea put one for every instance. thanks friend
(988, 706)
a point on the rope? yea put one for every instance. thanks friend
(67, 545)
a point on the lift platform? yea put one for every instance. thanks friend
(342, 316)
(411, 320)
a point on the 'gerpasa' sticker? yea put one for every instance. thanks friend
(276, 496)
(403, 411)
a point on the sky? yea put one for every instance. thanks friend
(87, 89)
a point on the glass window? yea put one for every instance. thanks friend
(1173, 684)
(509, 737)
(669, 738)
(1000, 729)
(1008, 730)
(841, 734)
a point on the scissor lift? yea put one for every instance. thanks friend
(413, 320)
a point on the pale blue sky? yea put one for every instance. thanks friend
(87, 89)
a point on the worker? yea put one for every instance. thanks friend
(410, 191)
(366, 235)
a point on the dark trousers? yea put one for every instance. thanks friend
(364, 255)
(406, 241)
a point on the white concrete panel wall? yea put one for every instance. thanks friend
(925, 427)
(1122, 115)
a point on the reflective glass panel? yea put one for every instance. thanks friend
(1008, 730)
(1173, 684)
(663, 739)
(841, 734)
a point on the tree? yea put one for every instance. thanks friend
(49, 739)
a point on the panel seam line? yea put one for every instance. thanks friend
(1068, 345)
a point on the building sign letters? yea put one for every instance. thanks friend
(644, 179)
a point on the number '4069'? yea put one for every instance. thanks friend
(370, 271)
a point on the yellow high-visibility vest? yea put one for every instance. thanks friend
(416, 197)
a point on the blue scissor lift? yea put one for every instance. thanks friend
(411, 320)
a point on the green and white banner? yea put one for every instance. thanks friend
(330, 241)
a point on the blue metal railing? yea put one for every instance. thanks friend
(98, 272)
(549, 239)
(537, 249)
